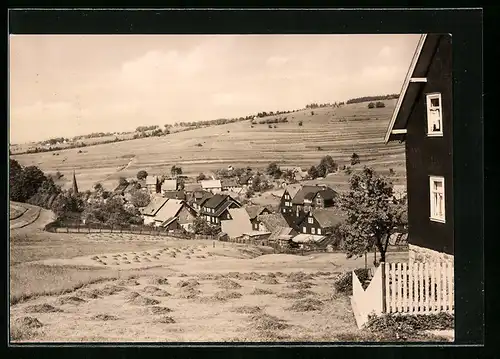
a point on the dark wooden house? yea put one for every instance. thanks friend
(423, 120)
(254, 212)
(320, 221)
(217, 208)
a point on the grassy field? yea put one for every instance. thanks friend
(107, 287)
(338, 132)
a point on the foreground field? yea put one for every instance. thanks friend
(336, 132)
(127, 288)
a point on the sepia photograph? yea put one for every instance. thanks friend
(231, 188)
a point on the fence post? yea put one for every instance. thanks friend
(384, 295)
(111, 228)
(100, 228)
(67, 229)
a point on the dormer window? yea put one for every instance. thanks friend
(310, 220)
(434, 115)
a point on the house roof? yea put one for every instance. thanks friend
(169, 210)
(419, 67)
(244, 179)
(283, 233)
(175, 195)
(293, 189)
(238, 225)
(223, 208)
(169, 185)
(254, 211)
(254, 233)
(307, 238)
(273, 220)
(216, 200)
(229, 182)
(300, 196)
(154, 206)
(204, 198)
(207, 184)
(328, 193)
(150, 180)
(328, 217)
(192, 187)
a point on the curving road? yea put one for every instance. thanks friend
(34, 218)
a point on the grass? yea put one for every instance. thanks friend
(228, 296)
(339, 132)
(27, 281)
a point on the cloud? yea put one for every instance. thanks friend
(277, 61)
(386, 52)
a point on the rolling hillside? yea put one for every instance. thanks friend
(338, 132)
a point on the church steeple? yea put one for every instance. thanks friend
(75, 186)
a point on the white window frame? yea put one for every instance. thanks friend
(304, 230)
(433, 215)
(284, 210)
(313, 230)
(310, 220)
(430, 131)
(319, 230)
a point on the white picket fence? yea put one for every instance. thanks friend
(419, 288)
(405, 288)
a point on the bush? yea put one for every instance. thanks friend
(142, 175)
(371, 105)
(379, 104)
(404, 327)
(300, 123)
(343, 284)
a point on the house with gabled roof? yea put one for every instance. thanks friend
(290, 192)
(277, 225)
(298, 199)
(153, 184)
(150, 211)
(214, 186)
(238, 225)
(169, 185)
(423, 120)
(192, 187)
(254, 211)
(321, 221)
(175, 214)
(217, 208)
(230, 184)
(322, 198)
(198, 199)
(181, 195)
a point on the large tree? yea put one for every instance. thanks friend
(176, 171)
(326, 165)
(274, 170)
(201, 226)
(354, 159)
(313, 172)
(66, 204)
(140, 198)
(142, 175)
(24, 182)
(373, 213)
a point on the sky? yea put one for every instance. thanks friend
(67, 85)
